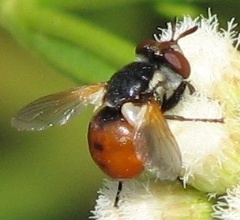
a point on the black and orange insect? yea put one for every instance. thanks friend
(128, 132)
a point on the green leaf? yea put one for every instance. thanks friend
(75, 62)
(55, 34)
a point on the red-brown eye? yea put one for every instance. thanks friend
(178, 62)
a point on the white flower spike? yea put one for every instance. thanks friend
(228, 206)
(210, 150)
(151, 200)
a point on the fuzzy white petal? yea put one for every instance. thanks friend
(208, 147)
(228, 206)
(151, 200)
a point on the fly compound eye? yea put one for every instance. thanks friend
(178, 62)
(173, 55)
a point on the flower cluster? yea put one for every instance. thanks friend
(210, 149)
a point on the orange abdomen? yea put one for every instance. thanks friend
(111, 145)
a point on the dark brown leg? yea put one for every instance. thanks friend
(174, 99)
(180, 118)
(118, 194)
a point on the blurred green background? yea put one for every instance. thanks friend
(50, 174)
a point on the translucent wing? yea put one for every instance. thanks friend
(155, 144)
(57, 109)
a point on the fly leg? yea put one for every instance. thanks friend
(177, 95)
(118, 194)
(180, 118)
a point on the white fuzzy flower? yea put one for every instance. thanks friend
(228, 206)
(210, 150)
(151, 200)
